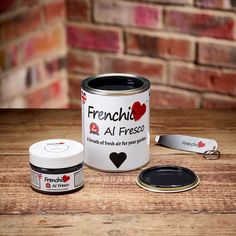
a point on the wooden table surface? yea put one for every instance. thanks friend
(111, 203)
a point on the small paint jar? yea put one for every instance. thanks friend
(115, 121)
(56, 166)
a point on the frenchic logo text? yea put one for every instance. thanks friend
(200, 144)
(116, 116)
(133, 113)
(62, 179)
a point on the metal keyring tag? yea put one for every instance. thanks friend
(207, 147)
(211, 154)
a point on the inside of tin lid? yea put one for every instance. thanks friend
(167, 179)
(116, 83)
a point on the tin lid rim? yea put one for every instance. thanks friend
(167, 190)
(151, 188)
(146, 85)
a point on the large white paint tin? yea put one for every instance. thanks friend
(115, 121)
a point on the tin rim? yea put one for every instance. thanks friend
(145, 85)
(158, 189)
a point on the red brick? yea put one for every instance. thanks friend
(200, 23)
(54, 11)
(78, 10)
(17, 102)
(13, 84)
(159, 46)
(20, 80)
(8, 57)
(127, 13)
(42, 43)
(172, 2)
(56, 103)
(34, 75)
(74, 105)
(55, 65)
(29, 2)
(94, 37)
(151, 68)
(39, 97)
(84, 63)
(74, 88)
(217, 101)
(215, 4)
(65, 106)
(7, 5)
(203, 79)
(167, 2)
(19, 25)
(166, 97)
(217, 54)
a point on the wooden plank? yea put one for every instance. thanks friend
(117, 192)
(111, 202)
(18, 141)
(20, 128)
(120, 224)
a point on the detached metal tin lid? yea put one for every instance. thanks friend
(168, 179)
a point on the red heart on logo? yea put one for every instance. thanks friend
(65, 178)
(201, 144)
(138, 110)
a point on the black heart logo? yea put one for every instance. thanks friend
(118, 158)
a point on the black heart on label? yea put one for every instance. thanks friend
(118, 158)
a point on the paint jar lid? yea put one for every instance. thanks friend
(167, 178)
(56, 153)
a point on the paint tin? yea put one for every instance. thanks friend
(56, 166)
(115, 121)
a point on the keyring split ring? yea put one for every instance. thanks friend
(211, 154)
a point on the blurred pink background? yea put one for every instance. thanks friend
(187, 48)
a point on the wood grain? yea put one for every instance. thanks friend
(120, 225)
(111, 202)
(118, 193)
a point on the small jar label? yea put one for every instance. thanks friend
(57, 182)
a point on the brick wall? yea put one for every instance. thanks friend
(187, 48)
(33, 54)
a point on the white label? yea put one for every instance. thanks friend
(57, 182)
(116, 130)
